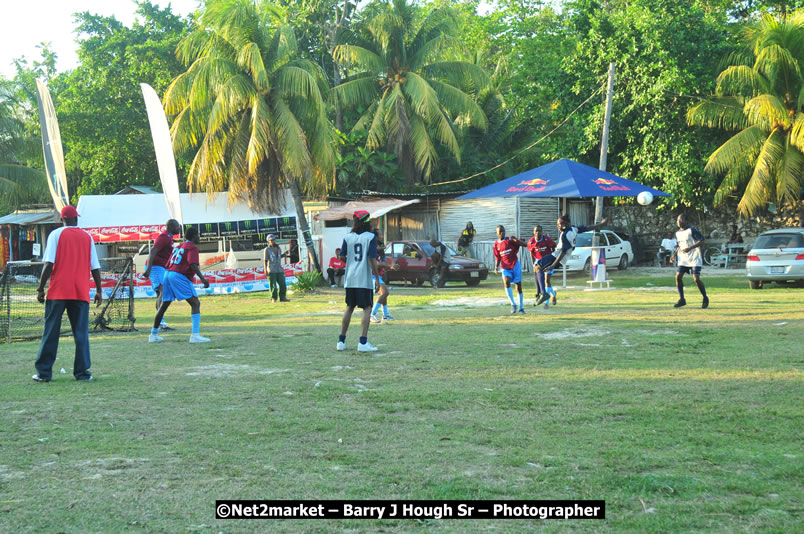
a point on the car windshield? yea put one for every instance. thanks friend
(790, 240)
(429, 250)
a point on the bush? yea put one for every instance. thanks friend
(307, 282)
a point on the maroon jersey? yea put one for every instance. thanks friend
(506, 252)
(541, 248)
(183, 256)
(164, 248)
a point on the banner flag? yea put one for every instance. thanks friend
(164, 151)
(51, 147)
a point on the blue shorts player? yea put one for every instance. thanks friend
(178, 285)
(158, 261)
(506, 255)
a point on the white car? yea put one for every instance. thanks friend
(776, 256)
(618, 252)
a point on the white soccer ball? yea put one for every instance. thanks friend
(645, 198)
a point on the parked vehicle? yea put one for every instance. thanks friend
(776, 256)
(618, 252)
(416, 265)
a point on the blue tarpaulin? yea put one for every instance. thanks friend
(563, 178)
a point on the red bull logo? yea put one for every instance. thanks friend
(610, 185)
(529, 186)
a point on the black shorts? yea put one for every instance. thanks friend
(359, 297)
(694, 270)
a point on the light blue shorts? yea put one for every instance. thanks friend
(177, 287)
(374, 279)
(514, 274)
(157, 276)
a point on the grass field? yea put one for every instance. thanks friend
(682, 420)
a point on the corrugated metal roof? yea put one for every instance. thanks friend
(31, 217)
(407, 195)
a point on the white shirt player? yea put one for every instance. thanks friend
(358, 248)
(686, 238)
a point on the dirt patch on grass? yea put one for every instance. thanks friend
(6, 473)
(574, 332)
(471, 302)
(227, 369)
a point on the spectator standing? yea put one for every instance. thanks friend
(272, 262)
(69, 258)
(293, 252)
(465, 240)
(336, 267)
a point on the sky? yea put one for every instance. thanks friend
(26, 23)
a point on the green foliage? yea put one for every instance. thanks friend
(101, 112)
(307, 281)
(361, 169)
(764, 161)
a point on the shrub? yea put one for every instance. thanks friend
(307, 281)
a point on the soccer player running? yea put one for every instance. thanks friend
(540, 245)
(178, 285)
(565, 244)
(382, 298)
(157, 262)
(359, 251)
(688, 250)
(506, 255)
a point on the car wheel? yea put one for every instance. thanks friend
(755, 284)
(473, 282)
(434, 277)
(623, 262)
(587, 267)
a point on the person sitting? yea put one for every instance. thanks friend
(666, 249)
(337, 267)
(441, 258)
(735, 236)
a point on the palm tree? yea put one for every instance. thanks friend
(760, 95)
(251, 110)
(413, 82)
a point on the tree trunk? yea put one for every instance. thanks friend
(301, 220)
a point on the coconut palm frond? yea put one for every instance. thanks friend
(298, 83)
(779, 66)
(439, 22)
(741, 81)
(250, 58)
(457, 73)
(441, 48)
(291, 141)
(352, 55)
(424, 152)
(789, 175)
(359, 92)
(797, 132)
(736, 178)
(767, 112)
(760, 188)
(458, 102)
(725, 113)
(731, 151)
(375, 116)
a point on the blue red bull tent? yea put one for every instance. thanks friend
(565, 179)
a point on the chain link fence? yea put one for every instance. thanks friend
(22, 317)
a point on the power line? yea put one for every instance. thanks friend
(548, 134)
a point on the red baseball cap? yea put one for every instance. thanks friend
(362, 215)
(69, 212)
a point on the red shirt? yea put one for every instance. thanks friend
(336, 263)
(72, 253)
(541, 248)
(506, 252)
(183, 256)
(164, 249)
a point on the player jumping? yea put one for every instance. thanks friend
(541, 245)
(506, 254)
(178, 285)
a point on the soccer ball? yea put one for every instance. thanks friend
(645, 198)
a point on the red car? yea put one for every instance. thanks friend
(416, 265)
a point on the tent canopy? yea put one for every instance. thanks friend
(32, 217)
(563, 178)
(376, 208)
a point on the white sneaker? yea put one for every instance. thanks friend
(155, 338)
(198, 338)
(341, 345)
(374, 319)
(333, 285)
(366, 347)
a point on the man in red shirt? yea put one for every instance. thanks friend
(182, 266)
(69, 258)
(158, 259)
(336, 267)
(506, 255)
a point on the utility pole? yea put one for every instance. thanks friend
(604, 149)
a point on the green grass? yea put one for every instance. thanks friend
(683, 420)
